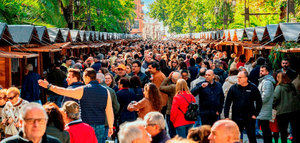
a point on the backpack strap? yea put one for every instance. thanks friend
(184, 98)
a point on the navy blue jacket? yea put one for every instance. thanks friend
(72, 86)
(125, 96)
(254, 75)
(93, 103)
(211, 98)
(243, 100)
(194, 72)
(143, 77)
(96, 66)
(30, 88)
(138, 92)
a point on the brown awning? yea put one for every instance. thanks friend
(40, 49)
(19, 55)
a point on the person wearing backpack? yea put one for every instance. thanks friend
(181, 102)
(211, 98)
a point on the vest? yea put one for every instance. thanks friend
(93, 104)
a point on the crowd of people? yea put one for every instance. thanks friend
(154, 91)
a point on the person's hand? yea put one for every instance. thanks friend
(253, 117)
(170, 75)
(204, 84)
(110, 132)
(217, 113)
(43, 83)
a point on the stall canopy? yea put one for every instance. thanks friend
(75, 35)
(55, 35)
(19, 55)
(287, 32)
(258, 34)
(43, 34)
(24, 34)
(249, 34)
(5, 36)
(66, 34)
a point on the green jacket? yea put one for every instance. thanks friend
(286, 99)
(114, 100)
(169, 88)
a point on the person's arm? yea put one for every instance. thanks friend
(228, 101)
(137, 105)
(277, 97)
(258, 102)
(267, 91)
(164, 86)
(75, 93)
(109, 114)
(221, 102)
(195, 91)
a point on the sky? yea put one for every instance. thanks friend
(147, 3)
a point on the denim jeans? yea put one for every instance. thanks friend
(100, 133)
(171, 128)
(198, 123)
(182, 131)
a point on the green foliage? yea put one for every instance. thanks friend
(184, 16)
(112, 15)
(277, 56)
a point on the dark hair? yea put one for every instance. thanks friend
(182, 65)
(251, 59)
(125, 82)
(91, 73)
(104, 64)
(185, 71)
(268, 68)
(104, 70)
(55, 116)
(242, 58)
(137, 62)
(154, 97)
(192, 62)
(207, 65)
(155, 65)
(199, 60)
(233, 71)
(135, 82)
(260, 61)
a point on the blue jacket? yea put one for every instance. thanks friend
(254, 75)
(211, 98)
(72, 86)
(96, 66)
(125, 96)
(30, 88)
(194, 72)
(246, 102)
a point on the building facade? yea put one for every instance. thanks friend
(137, 26)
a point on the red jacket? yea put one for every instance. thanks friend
(176, 116)
(81, 132)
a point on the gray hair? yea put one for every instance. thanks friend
(29, 107)
(29, 67)
(130, 131)
(176, 76)
(155, 118)
(100, 77)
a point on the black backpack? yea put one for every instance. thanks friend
(191, 113)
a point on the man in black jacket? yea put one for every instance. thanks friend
(246, 104)
(211, 98)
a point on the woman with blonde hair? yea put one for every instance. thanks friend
(179, 107)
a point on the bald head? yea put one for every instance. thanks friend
(209, 76)
(224, 131)
(175, 77)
